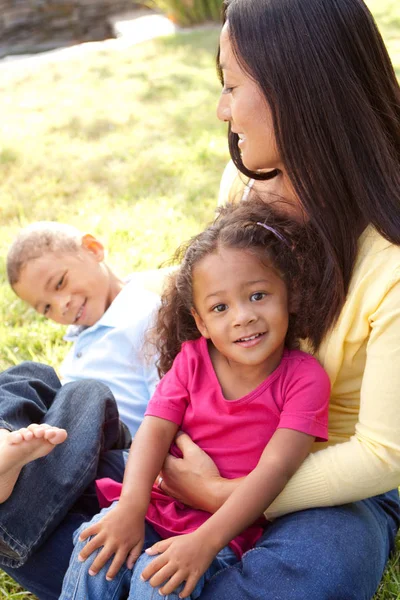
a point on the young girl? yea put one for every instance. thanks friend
(234, 385)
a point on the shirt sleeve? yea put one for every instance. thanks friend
(369, 462)
(307, 400)
(171, 396)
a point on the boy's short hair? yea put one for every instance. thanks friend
(37, 239)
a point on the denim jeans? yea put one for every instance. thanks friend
(336, 553)
(48, 488)
(79, 585)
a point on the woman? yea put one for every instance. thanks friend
(313, 108)
(312, 104)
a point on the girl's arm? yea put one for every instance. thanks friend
(186, 558)
(121, 530)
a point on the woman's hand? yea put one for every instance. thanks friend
(194, 479)
(181, 559)
(120, 534)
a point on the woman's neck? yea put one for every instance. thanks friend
(279, 190)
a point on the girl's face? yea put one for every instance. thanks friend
(244, 106)
(241, 304)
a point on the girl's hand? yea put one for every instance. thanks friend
(121, 534)
(183, 558)
(190, 479)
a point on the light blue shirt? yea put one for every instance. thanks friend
(112, 351)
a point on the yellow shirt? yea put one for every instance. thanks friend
(362, 357)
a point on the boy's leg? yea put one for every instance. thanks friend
(26, 393)
(47, 488)
(44, 571)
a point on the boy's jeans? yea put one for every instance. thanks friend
(47, 488)
(79, 585)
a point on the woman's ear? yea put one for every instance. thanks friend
(200, 324)
(90, 243)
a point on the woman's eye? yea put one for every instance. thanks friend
(59, 284)
(227, 90)
(257, 296)
(46, 309)
(220, 308)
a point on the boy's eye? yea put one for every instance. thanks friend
(257, 296)
(46, 309)
(220, 308)
(59, 284)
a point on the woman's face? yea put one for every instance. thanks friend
(245, 107)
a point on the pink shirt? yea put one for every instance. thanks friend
(233, 433)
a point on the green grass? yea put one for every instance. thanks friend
(125, 145)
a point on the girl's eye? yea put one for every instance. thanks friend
(59, 284)
(257, 296)
(46, 309)
(227, 90)
(220, 308)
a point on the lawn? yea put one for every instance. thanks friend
(125, 145)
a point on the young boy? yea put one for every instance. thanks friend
(62, 275)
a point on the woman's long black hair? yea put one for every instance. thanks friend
(326, 75)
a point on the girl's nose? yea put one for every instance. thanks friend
(243, 316)
(223, 108)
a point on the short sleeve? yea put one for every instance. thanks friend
(307, 400)
(171, 396)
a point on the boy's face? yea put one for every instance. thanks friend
(68, 287)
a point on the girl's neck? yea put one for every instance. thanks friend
(237, 380)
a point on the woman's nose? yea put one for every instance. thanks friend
(223, 108)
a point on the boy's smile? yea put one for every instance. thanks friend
(241, 305)
(69, 287)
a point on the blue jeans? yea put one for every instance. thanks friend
(49, 487)
(79, 585)
(336, 553)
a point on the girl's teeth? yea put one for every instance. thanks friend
(253, 337)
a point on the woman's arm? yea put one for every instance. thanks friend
(121, 530)
(194, 479)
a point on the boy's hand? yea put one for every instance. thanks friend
(183, 558)
(120, 533)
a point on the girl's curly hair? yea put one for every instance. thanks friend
(289, 247)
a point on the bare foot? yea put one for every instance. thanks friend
(17, 448)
